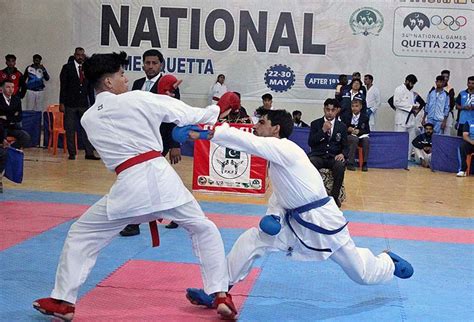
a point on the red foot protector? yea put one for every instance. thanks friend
(150, 291)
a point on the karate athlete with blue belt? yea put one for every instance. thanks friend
(301, 219)
(124, 127)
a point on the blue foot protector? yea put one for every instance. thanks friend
(181, 134)
(197, 296)
(403, 269)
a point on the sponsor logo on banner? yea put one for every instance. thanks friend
(433, 32)
(366, 21)
(228, 164)
(251, 184)
(279, 78)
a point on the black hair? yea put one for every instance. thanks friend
(6, 81)
(369, 77)
(355, 74)
(357, 99)
(154, 53)
(445, 71)
(428, 124)
(10, 56)
(331, 101)
(237, 93)
(440, 78)
(470, 78)
(412, 79)
(296, 112)
(342, 76)
(99, 65)
(357, 80)
(79, 49)
(219, 76)
(267, 96)
(282, 118)
(37, 56)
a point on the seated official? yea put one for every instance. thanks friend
(422, 146)
(358, 130)
(467, 146)
(328, 143)
(11, 116)
(348, 96)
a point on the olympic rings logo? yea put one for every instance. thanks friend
(448, 22)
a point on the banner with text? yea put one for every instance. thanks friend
(293, 49)
(217, 168)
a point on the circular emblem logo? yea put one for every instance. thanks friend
(366, 21)
(13, 77)
(228, 163)
(202, 180)
(279, 78)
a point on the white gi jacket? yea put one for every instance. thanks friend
(373, 101)
(123, 126)
(217, 90)
(296, 182)
(403, 99)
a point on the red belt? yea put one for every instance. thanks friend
(137, 160)
(155, 237)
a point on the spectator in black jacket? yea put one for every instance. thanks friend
(349, 95)
(328, 143)
(422, 146)
(358, 130)
(75, 97)
(297, 119)
(11, 116)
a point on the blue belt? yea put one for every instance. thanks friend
(295, 214)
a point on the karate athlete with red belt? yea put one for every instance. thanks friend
(301, 219)
(124, 127)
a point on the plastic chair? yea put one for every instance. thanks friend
(469, 161)
(361, 156)
(10, 139)
(56, 128)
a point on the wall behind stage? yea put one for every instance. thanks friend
(292, 49)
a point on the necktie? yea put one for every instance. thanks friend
(81, 74)
(148, 85)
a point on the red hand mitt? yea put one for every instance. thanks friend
(229, 100)
(167, 84)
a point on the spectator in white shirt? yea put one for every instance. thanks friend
(372, 99)
(218, 89)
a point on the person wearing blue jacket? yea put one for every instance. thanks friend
(437, 106)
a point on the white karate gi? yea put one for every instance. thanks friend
(295, 183)
(403, 99)
(217, 90)
(120, 127)
(373, 102)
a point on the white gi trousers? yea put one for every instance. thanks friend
(449, 124)
(93, 231)
(421, 154)
(411, 130)
(34, 101)
(359, 264)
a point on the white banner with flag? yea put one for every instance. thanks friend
(292, 49)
